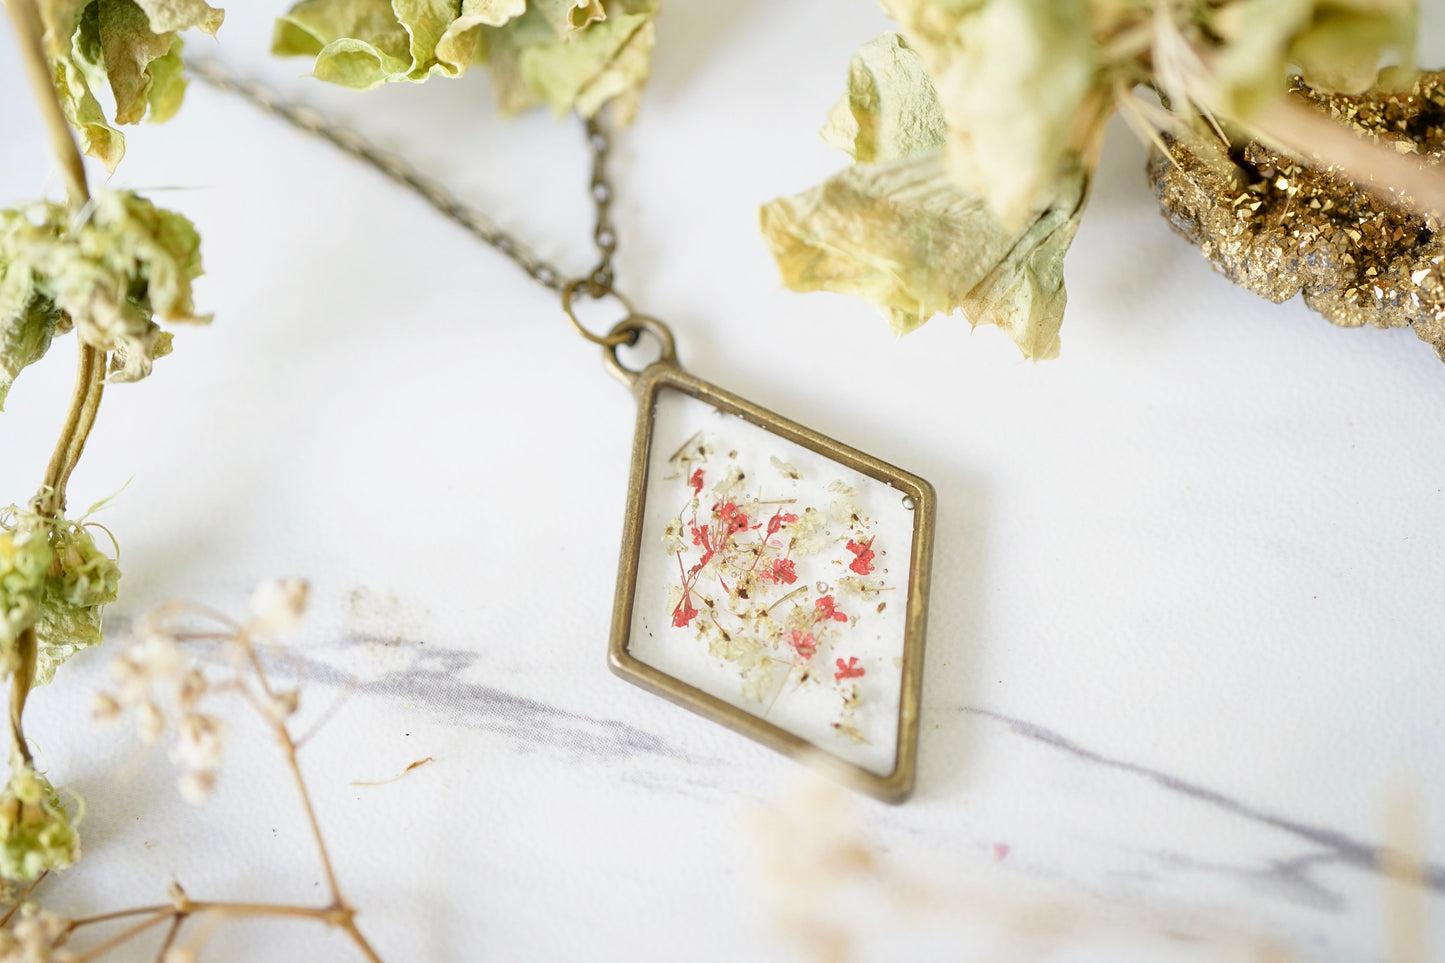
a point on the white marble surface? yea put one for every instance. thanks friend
(1188, 589)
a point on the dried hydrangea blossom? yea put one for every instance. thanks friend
(974, 133)
(54, 580)
(567, 54)
(1280, 227)
(129, 47)
(125, 264)
(897, 229)
(37, 834)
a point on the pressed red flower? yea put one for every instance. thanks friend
(848, 670)
(863, 564)
(778, 520)
(781, 571)
(733, 518)
(684, 613)
(803, 643)
(696, 482)
(827, 607)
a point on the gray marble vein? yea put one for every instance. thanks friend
(1336, 846)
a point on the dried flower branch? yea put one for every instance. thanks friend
(107, 264)
(162, 681)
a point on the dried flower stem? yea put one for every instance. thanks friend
(90, 377)
(20, 681)
(30, 31)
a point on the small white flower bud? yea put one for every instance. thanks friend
(104, 708)
(278, 604)
(199, 741)
(150, 722)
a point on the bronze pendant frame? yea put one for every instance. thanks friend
(666, 374)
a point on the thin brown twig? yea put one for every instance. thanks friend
(176, 923)
(20, 900)
(124, 936)
(344, 915)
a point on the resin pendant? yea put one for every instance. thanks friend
(772, 579)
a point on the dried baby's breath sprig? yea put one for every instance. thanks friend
(161, 680)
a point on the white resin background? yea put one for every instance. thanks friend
(872, 637)
(1185, 637)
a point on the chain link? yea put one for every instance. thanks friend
(596, 284)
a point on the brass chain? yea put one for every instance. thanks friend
(595, 284)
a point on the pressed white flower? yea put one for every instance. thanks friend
(785, 469)
(279, 604)
(809, 532)
(672, 541)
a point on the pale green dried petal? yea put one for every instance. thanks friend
(568, 16)
(890, 110)
(356, 43)
(569, 54)
(97, 138)
(169, 16)
(1014, 78)
(36, 832)
(130, 46)
(463, 43)
(127, 47)
(28, 321)
(905, 237)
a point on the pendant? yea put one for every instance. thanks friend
(771, 579)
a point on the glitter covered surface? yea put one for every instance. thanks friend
(1281, 227)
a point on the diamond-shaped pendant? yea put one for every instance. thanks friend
(772, 579)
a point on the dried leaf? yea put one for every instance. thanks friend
(130, 46)
(568, 54)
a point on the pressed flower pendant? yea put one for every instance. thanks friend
(772, 579)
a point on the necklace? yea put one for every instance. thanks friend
(771, 579)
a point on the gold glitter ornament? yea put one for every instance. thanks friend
(1280, 226)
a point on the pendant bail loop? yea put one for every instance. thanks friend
(613, 338)
(629, 331)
